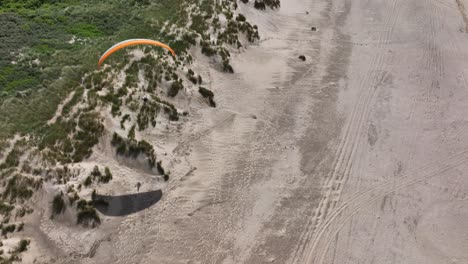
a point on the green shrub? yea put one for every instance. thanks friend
(96, 172)
(227, 67)
(88, 217)
(58, 205)
(81, 204)
(175, 88)
(241, 18)
(131, 132)
(88, 181)
(85, 30)
(8, 229)
(5, 209)
(205, 92)
(124, 119)
(22, 246)
(132, 148)
(20, 187)
(147, 115)
(107, 175)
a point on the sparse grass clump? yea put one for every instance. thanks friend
(107, 176)
(176, 86)
(20, 188)
(5, 209)
(132, 148)
(58, 205)
(87, 215)
(206, 93)
(22, 246)
(8, 229)
(96, 175)
(262, 4)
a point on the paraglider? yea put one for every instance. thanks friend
(132, 42)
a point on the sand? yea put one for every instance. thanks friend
(356, 155)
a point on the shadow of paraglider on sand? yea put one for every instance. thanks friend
(122, 205)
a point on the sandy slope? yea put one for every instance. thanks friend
(355, 155)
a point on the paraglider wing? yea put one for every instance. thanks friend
(132, 42)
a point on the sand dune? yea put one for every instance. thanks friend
(355, 155)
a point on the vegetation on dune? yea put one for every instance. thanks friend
(87, 215)
(58, 205)
(49, 51)
(22, 246)
(132, 148)
(206, 93)
(263, 4)
(97, 176)
(19, 188)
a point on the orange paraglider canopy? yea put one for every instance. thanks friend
(132, 42)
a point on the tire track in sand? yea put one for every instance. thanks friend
(374, 198)
(351, 207)
(342, 164)
(431, 169)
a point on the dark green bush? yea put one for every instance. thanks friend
(8, 229)
(20, 188)
(58, 205)
(205, 92)
(259, 5)
(107, 175)
(227, 67)
(175, 88)
(5, 209)
(241, 18)
(22, 246)
(132, 148)
(96, 172)
(88, 217)
(88, 181)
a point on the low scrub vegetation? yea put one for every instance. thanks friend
(87, 215)
(58, 205)
(48, 51)
(206, 93)
(20, 188)
(132, 149)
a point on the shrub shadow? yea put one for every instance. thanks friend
(122, 205)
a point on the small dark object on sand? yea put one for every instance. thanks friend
(314, 29)
(302, 58)
(307, 12)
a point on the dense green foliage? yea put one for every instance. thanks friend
(37, 36)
